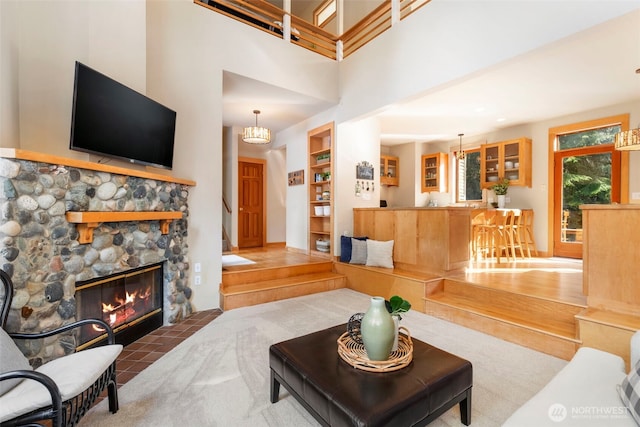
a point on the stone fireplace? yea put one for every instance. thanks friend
(134, 220)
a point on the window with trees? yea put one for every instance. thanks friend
(468, 177)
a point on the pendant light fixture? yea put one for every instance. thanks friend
(460, 153)
(256, 134)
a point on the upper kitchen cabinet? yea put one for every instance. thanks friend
(433, 172)
(507, 159)
(389, 170)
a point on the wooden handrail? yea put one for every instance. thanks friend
(88, 221)
(226, 205)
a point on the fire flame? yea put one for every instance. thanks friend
(123, 309)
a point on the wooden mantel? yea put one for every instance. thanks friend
(88, 221)
(15, 153)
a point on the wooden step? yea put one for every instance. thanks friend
(252, 275)
(247, 294)
(544, 325)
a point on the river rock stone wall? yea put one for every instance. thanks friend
(39, 249)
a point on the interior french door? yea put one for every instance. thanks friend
(586, 170)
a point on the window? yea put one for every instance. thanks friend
(468, 177)
(324, 13)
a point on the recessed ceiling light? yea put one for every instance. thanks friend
(501, 119)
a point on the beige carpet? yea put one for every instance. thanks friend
(220, 375)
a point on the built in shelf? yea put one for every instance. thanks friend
(88, 221)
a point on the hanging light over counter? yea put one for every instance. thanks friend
(460, 154)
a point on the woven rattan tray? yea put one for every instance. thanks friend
(355, 354)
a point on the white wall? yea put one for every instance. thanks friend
(9, 110)
(356, 142)
(447, 40)
(51, 36)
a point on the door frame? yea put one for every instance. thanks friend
(623, 121)
(263, 162)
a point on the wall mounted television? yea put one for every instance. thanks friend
(112, 120)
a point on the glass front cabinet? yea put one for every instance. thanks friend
(389, 170)
(433, 172)
(507, 159)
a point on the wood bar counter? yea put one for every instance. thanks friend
(434, 240)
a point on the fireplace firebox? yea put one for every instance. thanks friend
(130, 302)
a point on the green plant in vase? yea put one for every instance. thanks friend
(397, 305)
(501, 187)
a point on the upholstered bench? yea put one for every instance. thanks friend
(337, 394)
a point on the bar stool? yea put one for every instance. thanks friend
(514, 232)
(526, 232)
(496, 233)
(479, 237)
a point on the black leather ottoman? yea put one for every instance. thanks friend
(337, 394)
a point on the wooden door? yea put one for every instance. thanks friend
(251, 217)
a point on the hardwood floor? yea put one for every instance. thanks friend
(556, 279)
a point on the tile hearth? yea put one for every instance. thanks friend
(140, 354)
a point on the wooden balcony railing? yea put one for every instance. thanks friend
(269, 18)
(374, 24)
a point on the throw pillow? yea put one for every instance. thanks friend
(629, 392)
(358, 251)
(11, 359)
(380, 254)
(345, 247)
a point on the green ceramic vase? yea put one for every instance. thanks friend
(377, 330)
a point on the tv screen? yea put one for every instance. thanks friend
(110, 119)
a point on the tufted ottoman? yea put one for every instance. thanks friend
(337, 394)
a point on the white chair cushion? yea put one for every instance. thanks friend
(73, 374)
(11, 359)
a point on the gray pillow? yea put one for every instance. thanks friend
(358, 251)
(629, 392)
(11, 359)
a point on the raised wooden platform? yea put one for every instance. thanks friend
(276, 275)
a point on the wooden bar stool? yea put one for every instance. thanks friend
(497, 231)
(526, 232)
(514, 233)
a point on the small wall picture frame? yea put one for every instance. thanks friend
(296, 177)
(364, 170)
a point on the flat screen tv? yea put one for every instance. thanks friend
(110, 119)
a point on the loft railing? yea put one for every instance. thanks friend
(269, 18)
(374, 24)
